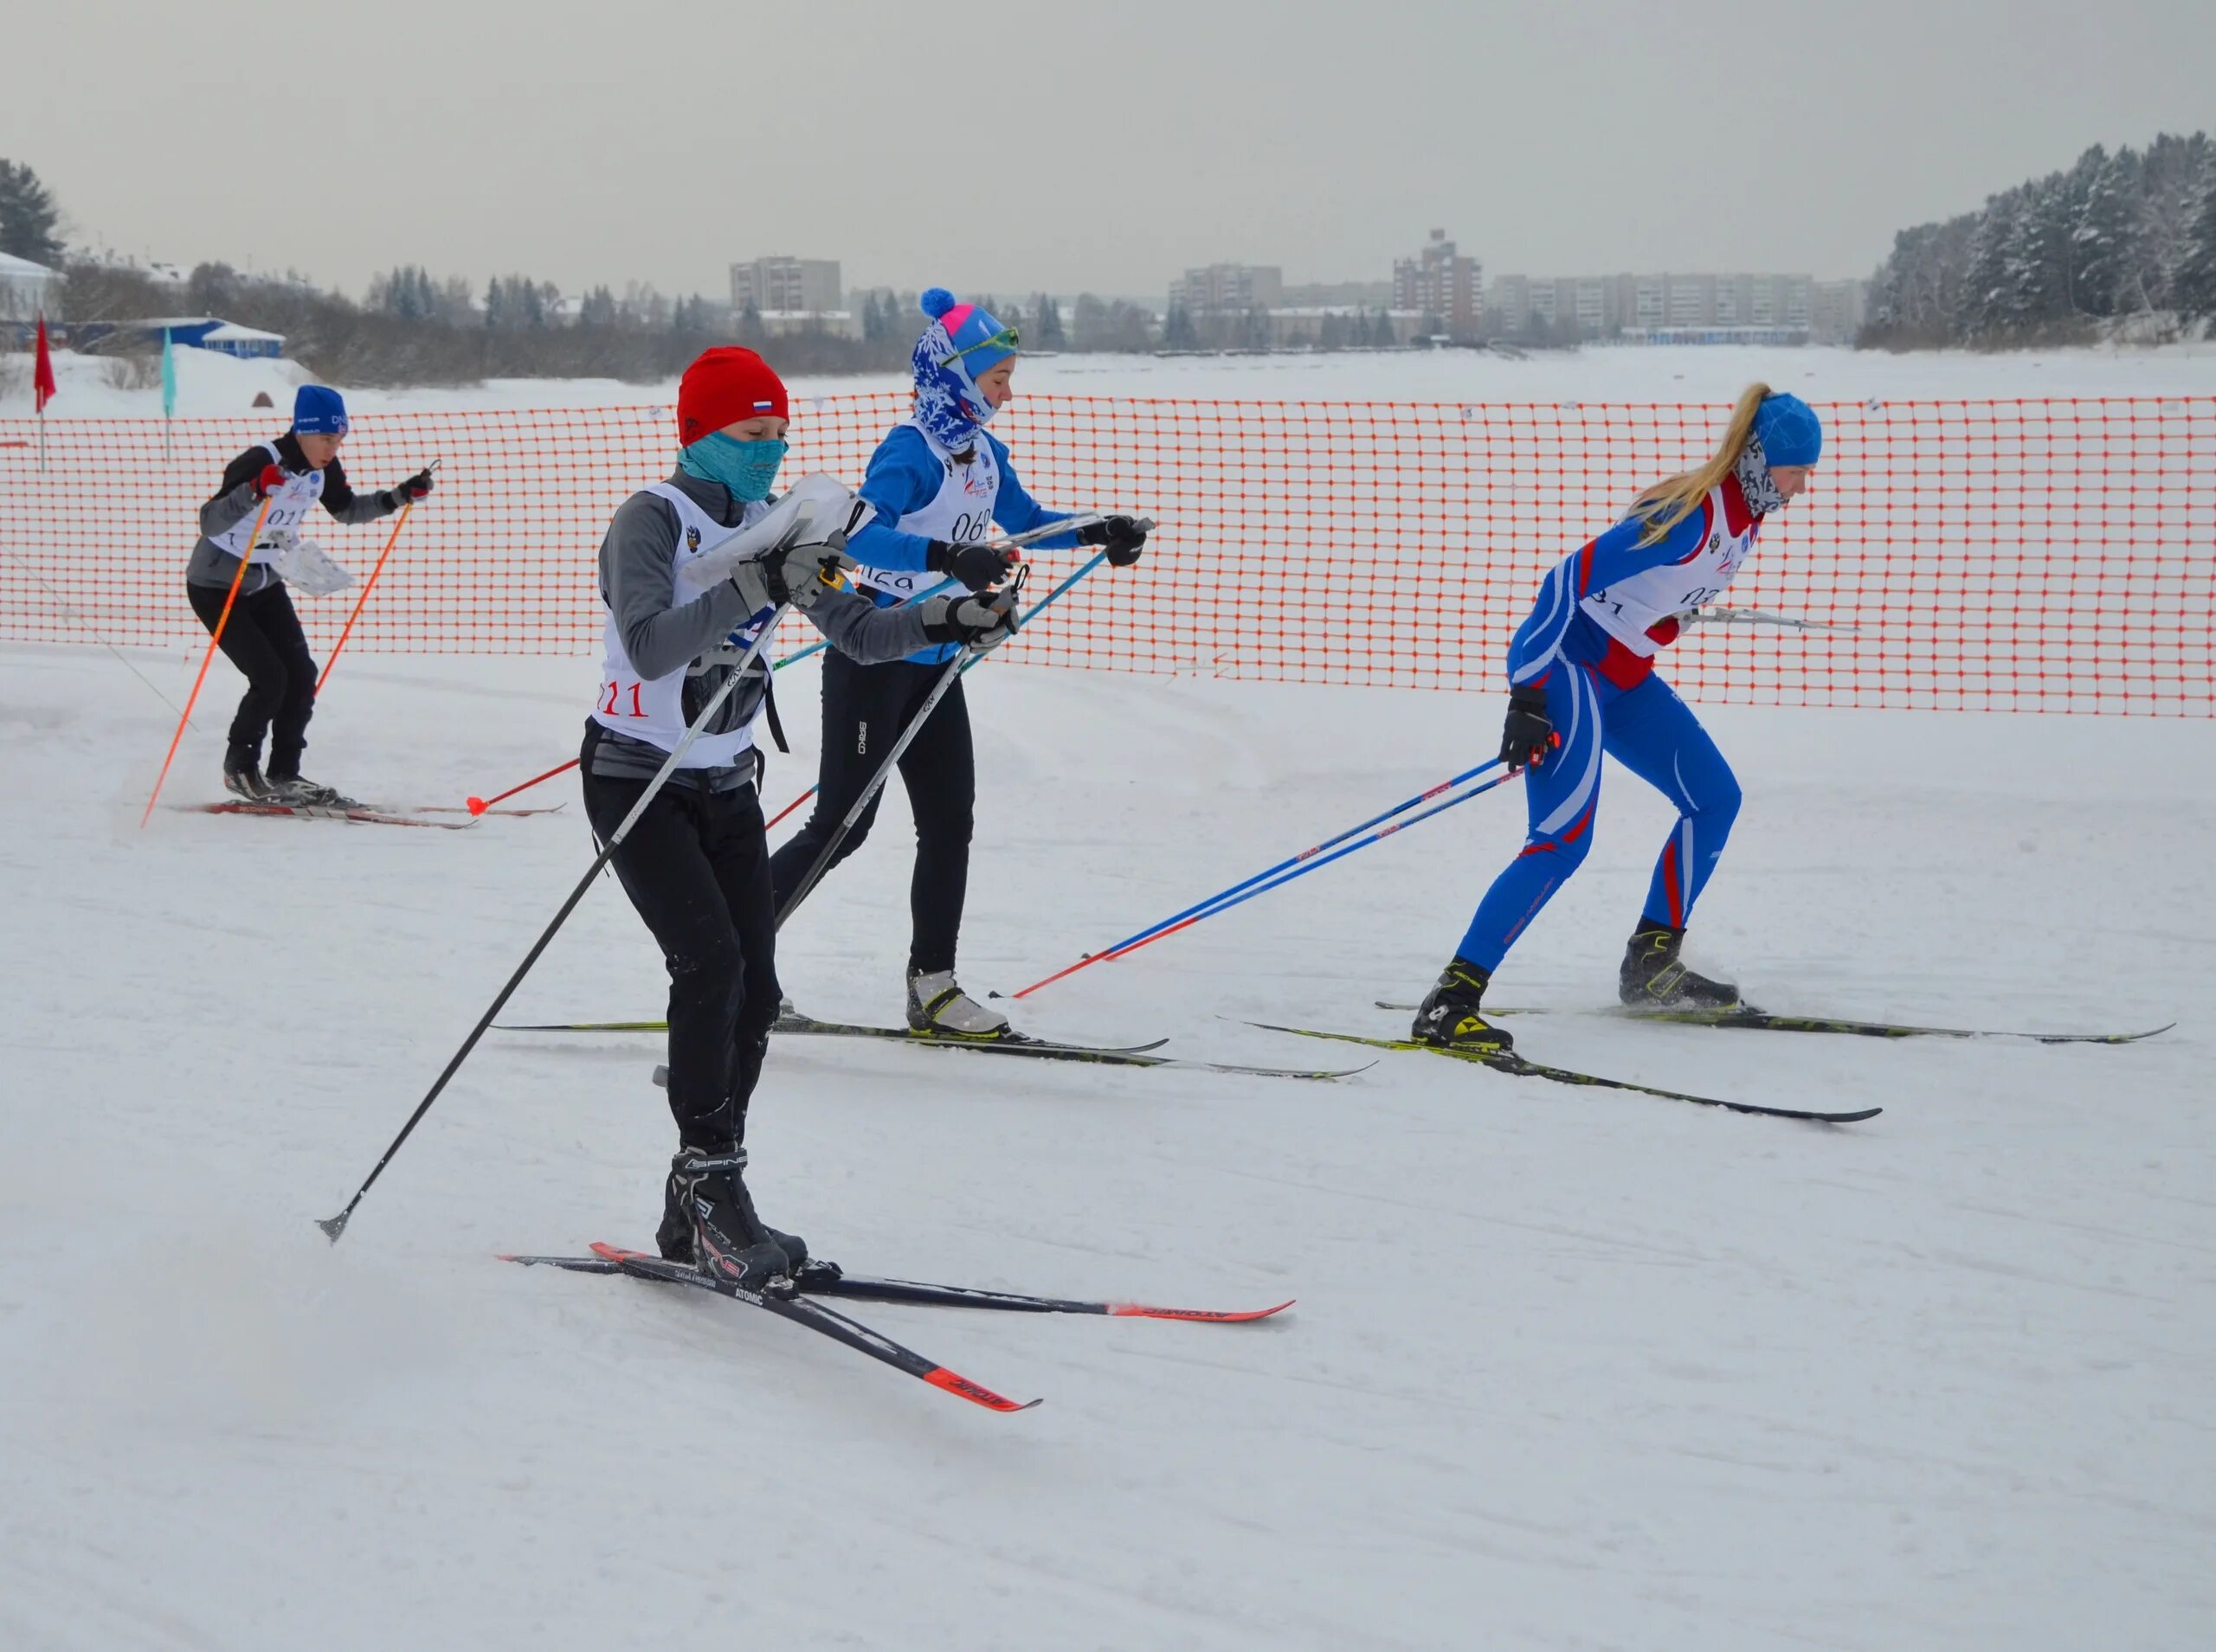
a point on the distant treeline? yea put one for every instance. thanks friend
(2122, 234)
(414, 328)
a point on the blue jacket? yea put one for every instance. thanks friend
(905, 475)
(1558, 626)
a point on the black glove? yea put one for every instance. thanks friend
(1529, 734)
(413, 489)
(1122, 536)
(978, 567)
(982, 622)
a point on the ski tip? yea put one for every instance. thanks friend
(616, 1252)
(977, 1393)
(1205, 1315)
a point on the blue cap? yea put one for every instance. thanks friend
(969, 327)
(318, 410)
(1790, 431)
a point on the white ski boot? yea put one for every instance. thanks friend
(937, 1003)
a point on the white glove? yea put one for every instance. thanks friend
(982, 621)
(798, 575)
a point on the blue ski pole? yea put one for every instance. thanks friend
(1232, 897)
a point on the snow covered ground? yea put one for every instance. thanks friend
(1569, 1369)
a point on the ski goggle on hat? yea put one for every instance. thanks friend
(1005, 341)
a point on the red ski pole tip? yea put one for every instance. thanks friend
(476, 806)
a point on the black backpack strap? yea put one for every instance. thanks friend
(769, 705)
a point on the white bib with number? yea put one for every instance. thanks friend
(1630, 607)
(960, 513)
(288, 508)
(652, 708)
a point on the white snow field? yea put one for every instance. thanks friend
(1569, 1369)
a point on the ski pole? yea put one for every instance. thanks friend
(1199, 910)
(1014, 541)
(215, 637)
(347, 630)
(336, 1226)
(478, 805)
(1378, 836)
(955, 667)
(1763, 617)
(1097, 559)
(823, 863)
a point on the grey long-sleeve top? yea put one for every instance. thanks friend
(638, 580)
(235, 501)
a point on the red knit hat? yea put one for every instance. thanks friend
(724, 386)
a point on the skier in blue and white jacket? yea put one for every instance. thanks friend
(942, 484)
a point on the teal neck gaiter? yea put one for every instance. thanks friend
(746, 468)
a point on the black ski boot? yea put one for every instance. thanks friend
(1448, 1018)
(242, 777)
(713, 1214)
(1653, 979)
(674, 1238)
(296, 793)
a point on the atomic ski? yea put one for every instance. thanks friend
(1507, 1060)
(820, 1279)
(830, 1321)
(356, 814)
(1745, 1015)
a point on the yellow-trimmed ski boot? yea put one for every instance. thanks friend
(1450, 1019)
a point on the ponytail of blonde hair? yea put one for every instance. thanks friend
(1667, 503)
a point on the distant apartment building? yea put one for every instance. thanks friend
(786, 286)
(1441, 282)
(1837, 310)
(1647, 307)
(1226, 289)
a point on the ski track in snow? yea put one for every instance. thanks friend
(1569, 1369)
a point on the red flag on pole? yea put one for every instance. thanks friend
(43, 372)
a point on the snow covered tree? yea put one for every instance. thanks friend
(1177, 330)
(1986, 307)
(30, 222)
(2193, 282)
(1051, 336)
(2104, 240)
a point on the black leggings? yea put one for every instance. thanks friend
(865, 708)
(697, 867)
(263, 638)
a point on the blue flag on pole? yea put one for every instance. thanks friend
(169, 377)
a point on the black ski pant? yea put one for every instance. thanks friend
(263, 638)
(696, 866)
(865, 710)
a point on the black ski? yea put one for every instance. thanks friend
(814, 1315)
(1507, 1060)
(820, 1279)
(1746, 1016)
(1012, 1044)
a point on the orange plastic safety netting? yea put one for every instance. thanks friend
(2036, 555)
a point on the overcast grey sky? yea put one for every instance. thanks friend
(1046, 144)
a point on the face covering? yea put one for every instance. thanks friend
(1752, 469)
(746, 468)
